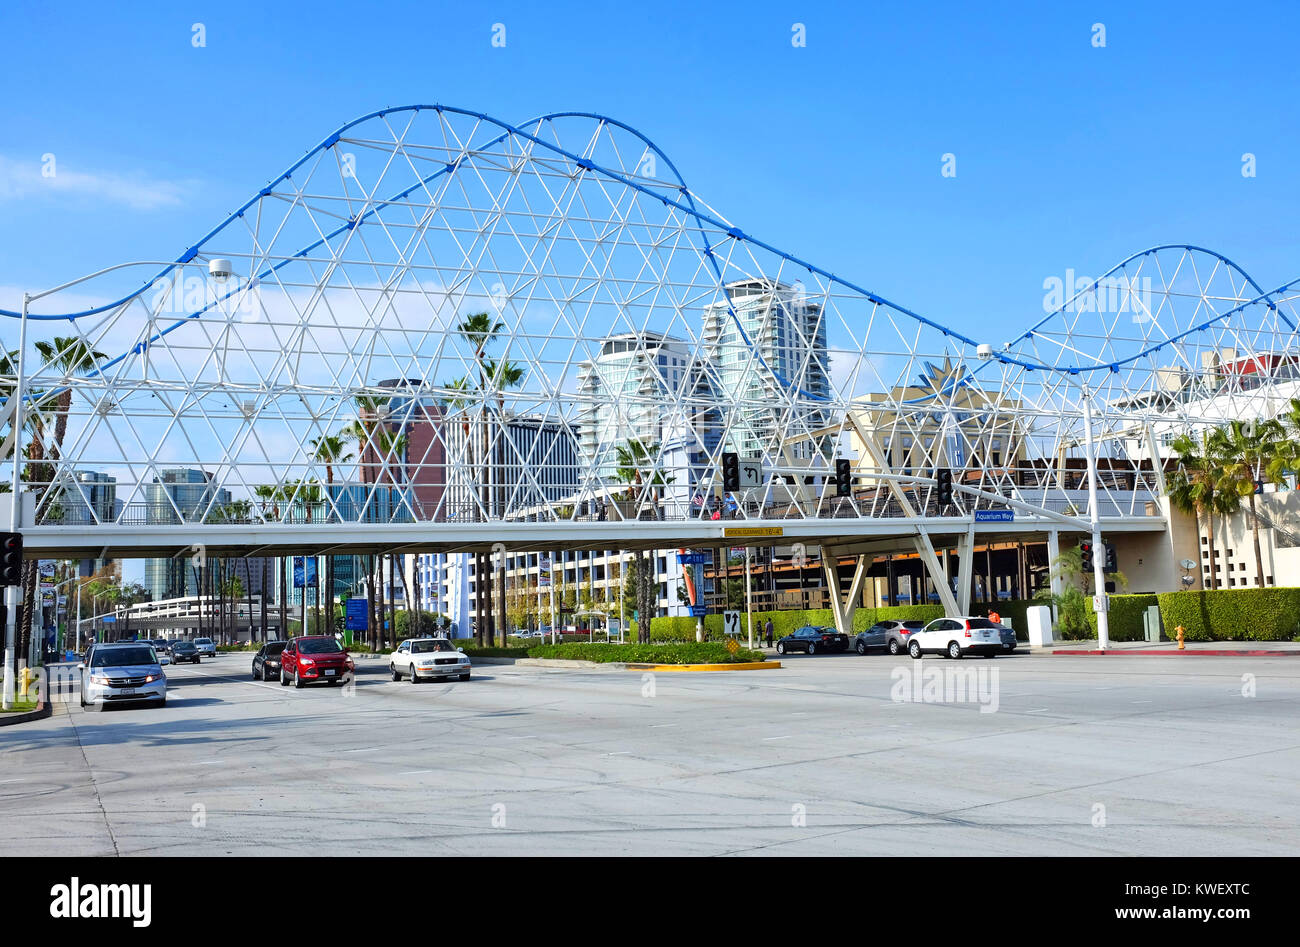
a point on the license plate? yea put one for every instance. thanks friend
(329, 673)
(126, 690)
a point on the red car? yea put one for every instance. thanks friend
(314, 658)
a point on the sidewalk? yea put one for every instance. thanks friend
(1214, 649)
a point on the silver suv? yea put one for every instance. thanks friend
(206, 648)
(122, 672)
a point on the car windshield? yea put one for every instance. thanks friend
(980, 623)
(121, 657)
(183, 646)
(275, 647)
(203, 641)
(436, 644)
(319, 646)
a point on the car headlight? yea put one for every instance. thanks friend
(98, 679)
(151, 678)
(306, 662)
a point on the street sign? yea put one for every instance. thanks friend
(752, 532)
(995, 516)
(731, 623)
(751, 473)
(356, 618)
(1100, 603)
(693, 558)
(699, 611)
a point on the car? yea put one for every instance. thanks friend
(206, 647)
(185, 651)
(426, 658)
(266, 663)
(160, 645)
(812, 639)
(125, 672)
(310, 659)
(892, 635)
(1008, 638)
(957, 637)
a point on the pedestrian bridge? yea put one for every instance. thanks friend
(439, 331)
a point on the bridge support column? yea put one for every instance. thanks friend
(965, 564)
(843, 608)
(1054, 571)
(938, 573)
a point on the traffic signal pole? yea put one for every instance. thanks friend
(13, 593)
(1098, 550)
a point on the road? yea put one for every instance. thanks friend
(1085, 756)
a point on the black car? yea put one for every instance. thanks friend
(266, 663)
(812, 639)
(185, 651)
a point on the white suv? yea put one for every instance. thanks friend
(955, 637)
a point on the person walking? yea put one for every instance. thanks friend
(767, 627)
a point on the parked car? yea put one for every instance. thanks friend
(266, 663)
(206, 647)
(126, 672)
(161, 645)
(957, 637)
(185, 651)
(426, 658)
(892, 635)
(812, 639)
(311, 659)
(1008, 638)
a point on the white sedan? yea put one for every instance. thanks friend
(424, 658)
(955, 637)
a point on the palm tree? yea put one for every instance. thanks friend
(330, 450)
(1246, 451)
(1196, 487)
(635, 460)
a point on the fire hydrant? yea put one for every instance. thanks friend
(26, 678)
(1181, 646)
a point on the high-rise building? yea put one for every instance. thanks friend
(413, 423)
(178, 495)
(527, 462)
(765, 363)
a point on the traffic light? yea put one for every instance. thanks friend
(11, 559)
(1085, 554)
(731, 472)
(843, 478)
(1111, 562)
(944, 478)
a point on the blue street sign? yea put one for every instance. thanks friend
(699, 611)
(299, 579)
(995, 516)
(356, 618)
(693, 558)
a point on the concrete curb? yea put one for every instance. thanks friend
(741, 666)
(43, 710)
(1199, 652)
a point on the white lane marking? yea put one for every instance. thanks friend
(18, 780)
(416, 772)
(1040, 710)
(364, 749)
(619, 753)
(660, 726)
(786, 737)
(208, 763)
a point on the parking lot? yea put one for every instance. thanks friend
(829, 755)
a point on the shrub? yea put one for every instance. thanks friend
(785, 622)
(706, 653)
(1232, 614)
(512, 652)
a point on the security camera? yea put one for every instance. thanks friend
(220, 269)
(985, 352)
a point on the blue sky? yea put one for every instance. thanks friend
(1068, 156)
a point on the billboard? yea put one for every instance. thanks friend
(304, 571)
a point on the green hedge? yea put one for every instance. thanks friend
(785, 622)
(1126, 613)
(707, 653)
(1232, 614)
(475, 652)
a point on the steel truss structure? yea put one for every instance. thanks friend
(317, 358)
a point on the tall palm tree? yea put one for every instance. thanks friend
(1246, 451)
(330, 450)
(1196, 488)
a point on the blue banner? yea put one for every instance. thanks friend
(357, 617)
(299, 580)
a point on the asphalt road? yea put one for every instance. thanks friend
(1087, 756)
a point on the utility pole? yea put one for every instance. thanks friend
(14, 593)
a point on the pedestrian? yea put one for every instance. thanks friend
(768, 628)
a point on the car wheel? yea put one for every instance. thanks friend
(914, 649)
(415, 678)
(284, 681)
(780, 647)
(812, 648)
(954, 650)
(257, 676)
(862, 647)
(163, 702)
(393, 671)
(297, 681)
(893, 646)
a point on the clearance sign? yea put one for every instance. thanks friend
(752, 532)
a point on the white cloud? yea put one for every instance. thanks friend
(20, 180)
